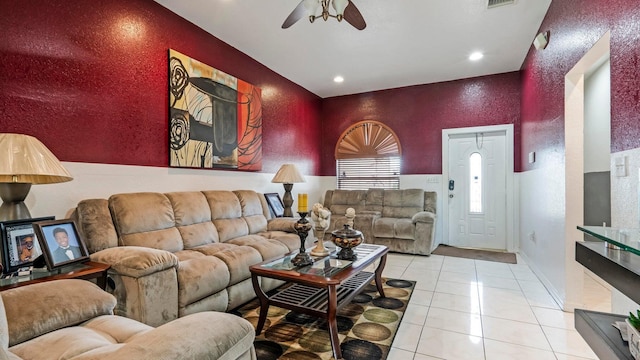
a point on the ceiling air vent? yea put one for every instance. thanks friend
(496, 3)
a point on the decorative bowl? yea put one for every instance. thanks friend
(346, 239)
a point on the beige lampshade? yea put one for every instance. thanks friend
(288, 174)
(24, 159)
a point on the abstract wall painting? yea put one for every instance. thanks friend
(215, 119)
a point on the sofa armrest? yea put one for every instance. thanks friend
(136, 261)
(425, 232)
(282, 224)
(144, 282)
(211, 335)
(424, 217)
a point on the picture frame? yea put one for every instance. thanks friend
(53, 236)
(275, 204)
(20, 246)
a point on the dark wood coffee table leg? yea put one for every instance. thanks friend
(264, 303)
(383, 261)
(333, 322)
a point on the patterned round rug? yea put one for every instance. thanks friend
(366, 327)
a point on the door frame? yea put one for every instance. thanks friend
(509, 161)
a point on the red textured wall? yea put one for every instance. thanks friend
(576, 25)
(417, 114)
(89, 79)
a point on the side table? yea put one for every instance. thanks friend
(86, 271)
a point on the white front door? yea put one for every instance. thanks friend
(477, 190)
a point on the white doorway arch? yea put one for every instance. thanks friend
(574, 166)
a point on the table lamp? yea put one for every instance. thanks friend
(25, 161)
(288, 174)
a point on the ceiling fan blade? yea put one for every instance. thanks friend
(352, 16)
(298, 13)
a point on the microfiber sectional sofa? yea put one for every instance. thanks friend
(175, 254)
(403, 220)
(73, 319)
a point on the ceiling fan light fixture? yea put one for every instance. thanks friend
(343, 9)
(311, 6)
(339, 6)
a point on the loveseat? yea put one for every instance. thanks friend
(174, 254)
(73, 319)
(402, 220)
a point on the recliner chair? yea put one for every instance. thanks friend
(73, 319)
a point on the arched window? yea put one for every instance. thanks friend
(368, 156)
(475, 183)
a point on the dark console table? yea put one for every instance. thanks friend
(614, 256)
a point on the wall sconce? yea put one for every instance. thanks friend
(542, 40)
(25, 161)
(288, 174)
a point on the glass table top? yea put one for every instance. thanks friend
(626, 239)
(322, 266)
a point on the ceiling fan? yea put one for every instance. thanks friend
(344, 9)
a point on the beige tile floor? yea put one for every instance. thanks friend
(471, 309)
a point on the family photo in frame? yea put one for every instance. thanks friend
(60, 242)
(20, 246)
(275, 204)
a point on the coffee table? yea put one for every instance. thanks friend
(320, 289)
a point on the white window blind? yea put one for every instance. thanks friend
(368, 173)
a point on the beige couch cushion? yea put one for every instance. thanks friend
(375, 200)
(145, 219)
(96, 338)
(193, 218)
(200, 276)
(226, 214)
(238, 261)
(291, 241)
(384, 227)
(268, 248)
(95, 225)
(44, 313)
(404, 229)
(252, 210)
(402, 203)
(341, 200)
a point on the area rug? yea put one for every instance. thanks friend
(366, 327)
(497, 256)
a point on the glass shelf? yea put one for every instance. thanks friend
(626, 239)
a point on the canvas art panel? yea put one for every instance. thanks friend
(215, 119)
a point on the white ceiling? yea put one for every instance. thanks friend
(406, 42)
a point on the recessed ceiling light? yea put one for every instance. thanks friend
(476, 56)
(338, 79)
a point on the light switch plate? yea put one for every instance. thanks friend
(620, 163)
